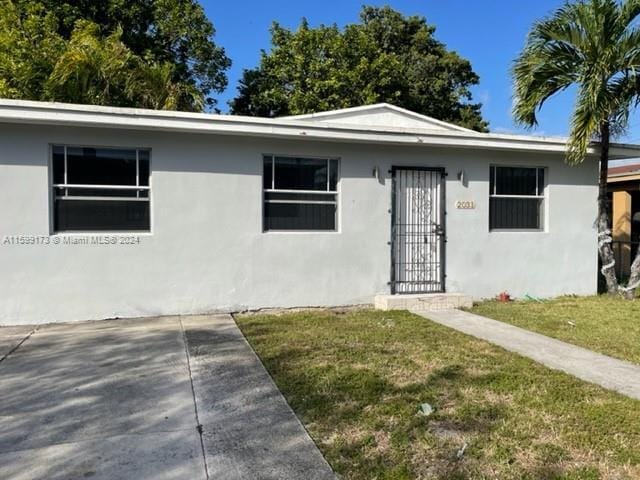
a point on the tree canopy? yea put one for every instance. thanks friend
(386, 57)
(156, 54)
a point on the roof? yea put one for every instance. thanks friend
(624, 170)
(624, 176)
(380, 115)
(375, 124)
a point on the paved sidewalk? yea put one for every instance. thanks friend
(610, 373)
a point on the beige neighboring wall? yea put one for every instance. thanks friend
(621, 182)
(622, 227)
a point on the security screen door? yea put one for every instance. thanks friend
(417, 230)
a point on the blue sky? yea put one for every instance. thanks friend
(488, 33)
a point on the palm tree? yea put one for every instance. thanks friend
(92, 69)
(151, 85)
(593, 45)
(103, 71)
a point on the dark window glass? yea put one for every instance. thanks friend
(58, 164)
(333, 175)
(101, 215)
(267, 176)
(492, 183)
(541, 181)
(100, 192)
(300, 216)
(300, 211)
(101, 209)
(143, 168)
(515, 213)
(300, 174)
(515, 181)
(507, 207)
(313, 197)
(101, 166)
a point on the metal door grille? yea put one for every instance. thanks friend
(417, 233)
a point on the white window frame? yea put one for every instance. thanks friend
(67, 186)
(335, 193)
(542, 206)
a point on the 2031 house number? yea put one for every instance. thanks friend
(465, 205)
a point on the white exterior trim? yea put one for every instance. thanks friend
(49, 113)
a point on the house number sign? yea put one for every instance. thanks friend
(465, 205)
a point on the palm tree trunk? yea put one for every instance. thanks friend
(634, 279)
(604, 233)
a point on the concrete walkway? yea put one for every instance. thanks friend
(125, 399)
(610, 373)
(249, 430)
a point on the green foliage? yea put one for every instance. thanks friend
(154, 54)
(29, 47)
(385, 58)
(91, 69)
(593, 44)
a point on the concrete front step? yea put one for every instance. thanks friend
(423, 302)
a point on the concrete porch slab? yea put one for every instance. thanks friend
(423, 302)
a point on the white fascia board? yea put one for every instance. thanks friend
(43, 113)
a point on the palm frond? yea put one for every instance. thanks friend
(629, 12)
(594, 44)
(585, 123)
(549, 64)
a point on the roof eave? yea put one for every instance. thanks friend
(107, 117)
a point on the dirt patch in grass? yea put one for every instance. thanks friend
(356, 380)
(605, 324)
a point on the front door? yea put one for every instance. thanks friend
(417, 230)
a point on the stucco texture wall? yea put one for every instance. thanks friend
(207, 250)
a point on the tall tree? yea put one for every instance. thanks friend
(169, 37)
(29, 48)
(387, 57)
(594, 45)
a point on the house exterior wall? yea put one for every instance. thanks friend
(207, 250)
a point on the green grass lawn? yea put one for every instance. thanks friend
(604, 324)
(356, 380)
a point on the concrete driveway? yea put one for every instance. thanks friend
(162, 398)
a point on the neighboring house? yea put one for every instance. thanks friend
(624, 192)
(122, 212)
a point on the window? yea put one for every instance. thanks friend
(100, 189)
(516, 198)
(300, 193)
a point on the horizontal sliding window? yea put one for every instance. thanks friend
(300, 193)
(516, 198)
(100, 189)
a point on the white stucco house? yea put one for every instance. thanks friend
(111, 212)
